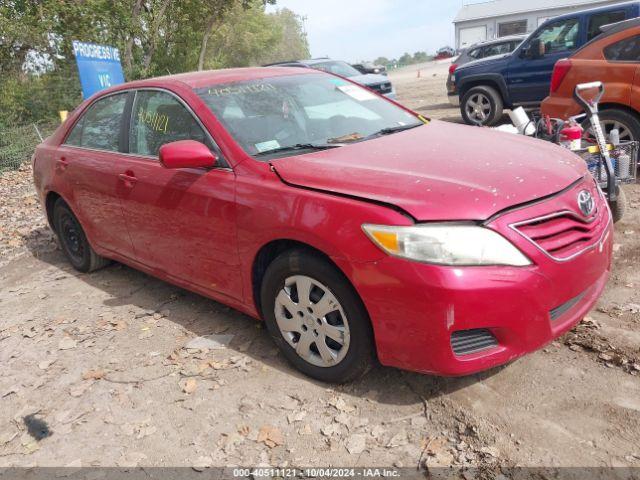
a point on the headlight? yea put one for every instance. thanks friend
(447, 244)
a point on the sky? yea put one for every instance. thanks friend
(355, 30)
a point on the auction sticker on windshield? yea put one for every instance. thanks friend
(357, 93)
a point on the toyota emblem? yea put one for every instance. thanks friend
(586, 202)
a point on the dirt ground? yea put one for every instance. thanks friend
(95, 372)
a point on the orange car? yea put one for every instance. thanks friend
(614, 59)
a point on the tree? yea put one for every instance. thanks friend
(155, 37)
(382, 61)
(405, 59)
(292, 43)
(253, 37)
(420, 57)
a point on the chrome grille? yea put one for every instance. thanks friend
(564, 235)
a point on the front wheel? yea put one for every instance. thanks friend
(316, 318)
(482, 106)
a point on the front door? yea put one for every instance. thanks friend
(529, 78)
(183, 221)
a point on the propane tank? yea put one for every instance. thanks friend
(571, 136)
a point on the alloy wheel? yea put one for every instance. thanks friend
(312, 321)
(626, 135)
(478, 108)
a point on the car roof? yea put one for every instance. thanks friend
(588, 11)
(509, 38)
(213, 77)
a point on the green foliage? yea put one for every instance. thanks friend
(405, 59)
(420, 57)
(250, 37)
(156, 37)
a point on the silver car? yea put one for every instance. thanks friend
(379, 83)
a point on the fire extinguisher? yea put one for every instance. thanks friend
(571, 136)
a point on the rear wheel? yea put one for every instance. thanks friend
(316, 318)
(74, 241)
(482, 106)
(626, 123)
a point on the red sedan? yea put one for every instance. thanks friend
(353, 227)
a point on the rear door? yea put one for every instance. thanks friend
(182, 221)
(529, 79)
(87, 162)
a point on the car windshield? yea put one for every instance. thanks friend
(339, 68)
(293, 114)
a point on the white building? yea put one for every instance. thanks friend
(499, 18)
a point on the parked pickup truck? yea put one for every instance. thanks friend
(484, 88)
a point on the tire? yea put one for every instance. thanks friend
(617, 211)
(74, 241)
(627, 123)
(482, 106)
(305, 329)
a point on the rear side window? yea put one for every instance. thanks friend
(475, 53)
(627, 50)
(598, 20)
(99, 127)
(159, 118)
(496, 49)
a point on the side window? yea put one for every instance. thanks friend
(627, 50)
(475, 53)
(598, 20)
(496, 49)
(158, 118)
(99, 127)
(559, 36)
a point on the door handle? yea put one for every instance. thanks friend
(62, 164)
(128, 180)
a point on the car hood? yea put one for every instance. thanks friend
(486, 60)
(370, 79)
(440, 171)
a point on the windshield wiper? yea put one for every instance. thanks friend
(390, 130)
(296, 147)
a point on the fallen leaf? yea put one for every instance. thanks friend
(67, 343)
(296, 417)
(356, 444)
(44, 364)
(270, 436)
(78, 390)
(93, 375)
(189, 386)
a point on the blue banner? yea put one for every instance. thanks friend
(98, 65)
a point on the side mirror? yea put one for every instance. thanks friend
(186, 154)
(536, 49)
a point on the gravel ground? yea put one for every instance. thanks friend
(96, 372)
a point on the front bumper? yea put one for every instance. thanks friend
(392, 94)
(416, 308)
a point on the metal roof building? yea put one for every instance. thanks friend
(499, 18)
